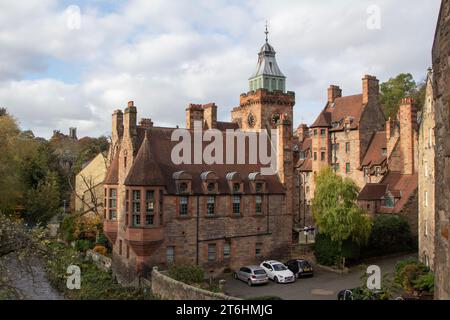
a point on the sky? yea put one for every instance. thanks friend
(72, 63)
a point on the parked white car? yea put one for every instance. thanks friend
(278, 272)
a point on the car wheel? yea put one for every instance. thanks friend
(249, 282)
(275, 279)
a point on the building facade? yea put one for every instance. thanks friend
(441, 96)
(427, 176)
(352, 136)
(89, 186)
(216, 215)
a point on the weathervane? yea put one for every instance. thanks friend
(266, 32)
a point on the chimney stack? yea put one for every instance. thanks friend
(302, 132)
(146, 123)
(117, 126)
(371, 89)
(333, 93)
(130, 120)
(194, 112)
(210, 115)
(407, 120)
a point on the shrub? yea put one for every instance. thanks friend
(327, 252)
(408, 272)
(67, 228)
(401, 264)
(102, 240)
(100, 250)
(96, 284)
(187, 273)
(390, 234)
(83, 245)
(424, 283)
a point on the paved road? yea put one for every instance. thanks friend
(323, 286)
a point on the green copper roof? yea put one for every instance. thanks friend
(268, 75)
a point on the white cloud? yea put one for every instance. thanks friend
(166, 54)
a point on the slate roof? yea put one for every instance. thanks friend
(153, 166)
(349, 106)
(373, 191)
(374, 154)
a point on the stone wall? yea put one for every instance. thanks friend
(410, 212)
(167, 288)
(441, 69)
(99, 260)
(426, 174)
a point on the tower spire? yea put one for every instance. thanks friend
(268, 75)
(267, 33)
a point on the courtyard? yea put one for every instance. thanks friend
(325, 285)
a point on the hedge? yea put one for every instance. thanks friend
(390, 234)
(326, 251)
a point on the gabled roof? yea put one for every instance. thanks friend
(398, 185)
(373, 191)
(341, 108)
(323, 120)
(153, 165)
(145, 171)
(305, 164)
(374, 155)
(112, 174)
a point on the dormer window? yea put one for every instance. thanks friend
(209, 182)
(183, 182)
(366, 171)
(234, 182)
(259, 187)
(183, 187)
(257, 183)
(378, 171)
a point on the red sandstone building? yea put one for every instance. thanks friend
(227, 215)
(352, 136)
(217, 216)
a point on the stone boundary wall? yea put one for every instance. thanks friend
(167, 288)
(99, 260)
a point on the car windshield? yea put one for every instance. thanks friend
(259, 272)
(279, 267)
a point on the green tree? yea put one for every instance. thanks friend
(11, 184)
(43, 202)
(395, 89)
(336, 211)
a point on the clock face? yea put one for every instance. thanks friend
(251, 120)
(275, 118)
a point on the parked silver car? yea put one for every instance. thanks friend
(252, 275)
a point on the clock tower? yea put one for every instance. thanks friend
(267, 100)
